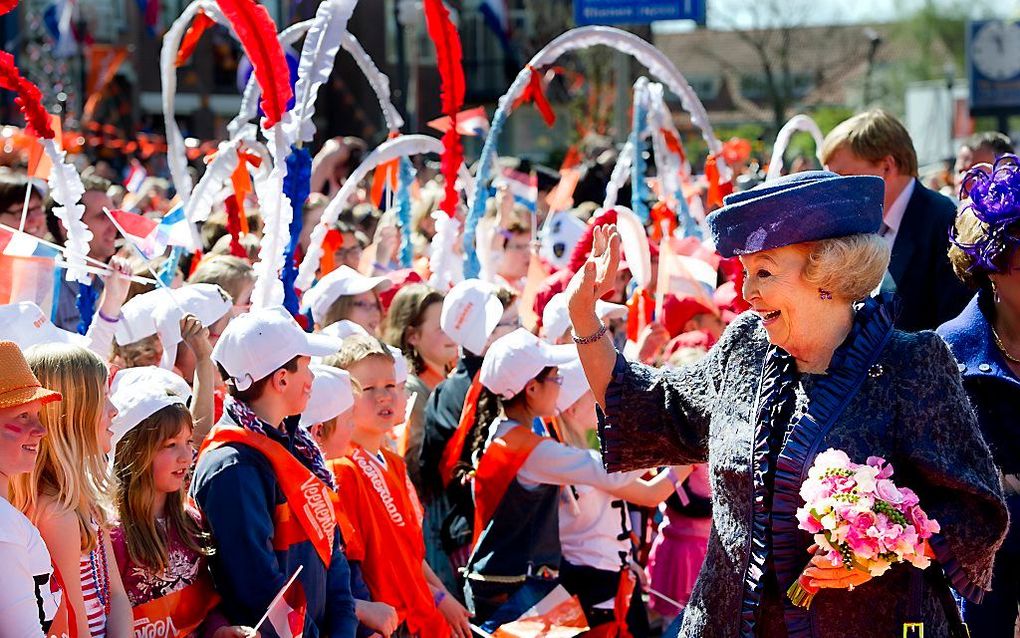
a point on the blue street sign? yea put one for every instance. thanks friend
(637, 11)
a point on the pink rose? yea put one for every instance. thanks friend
(924, 525)
(888, 492)
(909, 497)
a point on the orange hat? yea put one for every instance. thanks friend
(18, 385)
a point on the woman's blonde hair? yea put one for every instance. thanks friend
(71, 468)
(849, 267)
(146, 540)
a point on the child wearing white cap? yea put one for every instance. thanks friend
(329, 419)
(474, 314)
(595, 525)
(346, 294)
(377, 496)
(261, 482)
(517, 474)
(162, 551)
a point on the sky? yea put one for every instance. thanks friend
(841, 11)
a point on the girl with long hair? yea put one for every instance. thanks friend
(161, 549)
(517, 475)
(67, 494)
(412, 325)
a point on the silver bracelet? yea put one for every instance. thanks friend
(595, 338)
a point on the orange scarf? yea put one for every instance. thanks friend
(383, 508)
(497, 469)
(178, 613)
(309, 512)
(455, 446)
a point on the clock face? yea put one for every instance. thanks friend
(996, 50)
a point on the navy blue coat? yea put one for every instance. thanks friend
(237, 492)
(928, 291)
(993, 389)
(909, 407)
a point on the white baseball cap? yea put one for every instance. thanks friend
(560, 234)
(471, 311)
(516, 358)
(344, 328)
(257, 343)
(574, 385)
(342, 282)
(138, 393)
(332, 395)
(556, 318)
(160, 312)
(25, 324)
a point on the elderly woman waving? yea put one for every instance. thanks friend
(815, 364)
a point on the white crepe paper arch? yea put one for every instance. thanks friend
(634, 242)
(619, 176)
(241, 126)
(799, 122)
(66, 188)
(378, 80)
(402, 146)
(658, 65)
(176, 154)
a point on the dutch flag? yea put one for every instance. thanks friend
(150, 237)
(135, 177)
(523, 186)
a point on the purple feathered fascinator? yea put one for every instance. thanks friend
(995, 200)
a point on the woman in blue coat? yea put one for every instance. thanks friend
(815, 364)
(985, 339)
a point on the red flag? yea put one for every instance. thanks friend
(286, 614)
(558, 615)
(472, 122)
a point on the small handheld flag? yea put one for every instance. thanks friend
(286, 614)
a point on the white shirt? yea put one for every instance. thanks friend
(553, 463)
(25, 593)
(591, 525)
(894, 216)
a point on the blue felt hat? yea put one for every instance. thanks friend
(797, 208)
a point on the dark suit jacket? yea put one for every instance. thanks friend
(928, 292)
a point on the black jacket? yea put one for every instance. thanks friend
(928, 292)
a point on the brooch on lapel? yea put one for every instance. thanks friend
(876, 371)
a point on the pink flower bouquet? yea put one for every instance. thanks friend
(860, 519)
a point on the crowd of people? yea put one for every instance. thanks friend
(432, 461)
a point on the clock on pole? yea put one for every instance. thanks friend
(993, 63)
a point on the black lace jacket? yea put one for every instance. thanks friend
(887, 393)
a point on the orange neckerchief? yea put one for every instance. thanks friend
(353, 545)
(309, 510)
(497, 469)
(455, 446)
(176, 614)
(383, 509)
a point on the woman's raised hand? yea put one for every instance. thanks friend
(595, 278)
